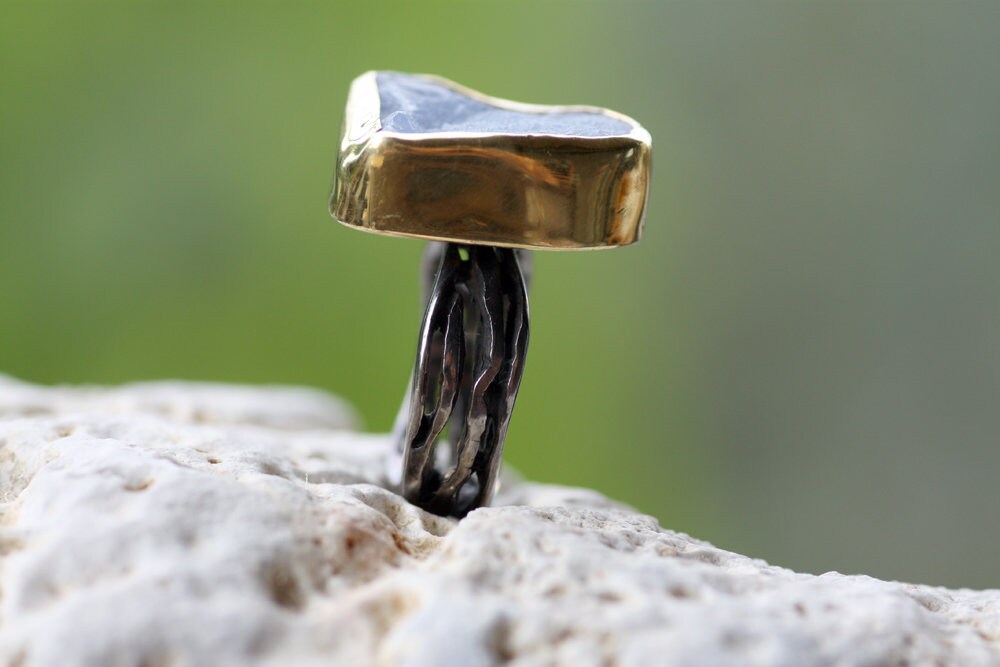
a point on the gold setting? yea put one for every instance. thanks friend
(538, 191)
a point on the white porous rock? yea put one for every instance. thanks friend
(173, 524)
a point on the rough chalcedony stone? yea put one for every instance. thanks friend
(414, 105)
(178, 524)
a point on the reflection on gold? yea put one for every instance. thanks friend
(552, 192)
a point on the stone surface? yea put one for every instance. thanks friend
(179, 524)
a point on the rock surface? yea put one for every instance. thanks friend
(181, 524)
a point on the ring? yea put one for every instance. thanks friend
(485, 180)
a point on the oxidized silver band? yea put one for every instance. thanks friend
(470, 357)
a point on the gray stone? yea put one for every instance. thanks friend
(179, 524)
(414, 104)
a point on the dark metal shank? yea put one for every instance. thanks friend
(470, 357)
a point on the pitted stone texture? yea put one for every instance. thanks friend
(176, 524)
(276, 407)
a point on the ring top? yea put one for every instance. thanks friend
(423, 157)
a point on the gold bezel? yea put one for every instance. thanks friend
(541, 191)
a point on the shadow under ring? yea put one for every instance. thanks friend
(470, 358)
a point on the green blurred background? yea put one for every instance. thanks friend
(801, 360)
